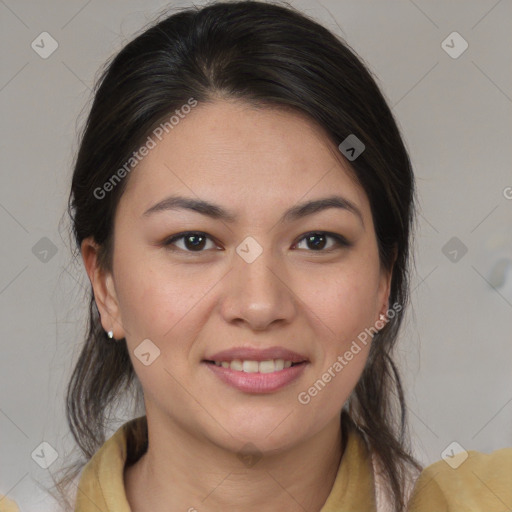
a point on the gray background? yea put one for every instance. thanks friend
(455, 351)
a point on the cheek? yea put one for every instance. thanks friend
(160, 305)
(344, 302)
(165, 303)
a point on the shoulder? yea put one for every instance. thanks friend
(8, 505)
(467, 481)
(102, 480)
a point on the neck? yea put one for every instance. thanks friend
(182, 472)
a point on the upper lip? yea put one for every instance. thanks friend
(257, 354)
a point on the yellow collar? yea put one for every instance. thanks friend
(101, 485)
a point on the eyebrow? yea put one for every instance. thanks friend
(217, 212)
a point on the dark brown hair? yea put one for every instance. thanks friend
(268, 55)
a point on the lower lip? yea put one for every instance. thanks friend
(257, 382)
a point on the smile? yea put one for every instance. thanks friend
(248, 366)
(257, 377)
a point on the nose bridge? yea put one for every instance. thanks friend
(258, 293)
(255, 269)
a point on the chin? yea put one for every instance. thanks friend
(265, 436)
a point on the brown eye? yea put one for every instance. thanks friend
(192, 241)
(317, 241)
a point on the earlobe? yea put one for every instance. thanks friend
(384, 301)
(385, 289)
(103, 287)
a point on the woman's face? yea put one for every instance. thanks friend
(253, 280)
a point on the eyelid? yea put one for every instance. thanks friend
(178, 236)
(340, 241)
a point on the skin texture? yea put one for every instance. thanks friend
(256, 162)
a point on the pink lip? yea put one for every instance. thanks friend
(257, 382)
(254, 354)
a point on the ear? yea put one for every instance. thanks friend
(104, 289)
(386, 276)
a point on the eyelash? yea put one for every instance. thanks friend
(340, 241)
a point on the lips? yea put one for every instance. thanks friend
(253, 354)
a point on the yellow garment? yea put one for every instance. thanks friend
(482, 483)
(7, 505)
(101, 486)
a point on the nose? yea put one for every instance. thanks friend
(258, 293)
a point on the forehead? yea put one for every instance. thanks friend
(236, 153)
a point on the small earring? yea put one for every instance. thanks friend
(110, 334)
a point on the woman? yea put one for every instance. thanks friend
(244, 205)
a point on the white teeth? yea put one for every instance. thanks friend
(248, 366)
(267, 366)
(236, 364)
